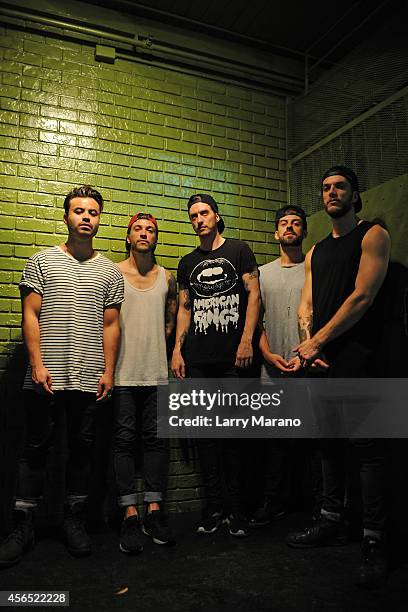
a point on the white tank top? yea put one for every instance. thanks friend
(142, 357)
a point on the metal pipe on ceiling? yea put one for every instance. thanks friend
(206, 26)
(267, 78)
(200, 73)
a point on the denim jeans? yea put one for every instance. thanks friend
(221, 461)
(136, 419)
(43, 413)
(370, 455)
(355, 362)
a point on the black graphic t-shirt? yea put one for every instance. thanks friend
(218, 301)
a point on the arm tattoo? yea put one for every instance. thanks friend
(305, 327)
(187, 302)
(171, 306)
(182, 338)
(249, 275)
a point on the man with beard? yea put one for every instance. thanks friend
(147, 320)
(338, 316)
(281, 283)
(217, 317)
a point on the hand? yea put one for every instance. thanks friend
(295, 364)
(320, 364)
(244, 354)
(41, 376)
(281, 364)
(105, 387)
(307, 351)
(178, 367)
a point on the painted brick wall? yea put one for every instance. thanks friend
(147, 138)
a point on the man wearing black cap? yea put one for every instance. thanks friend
(218, 313)
(338, 316)
(281, 282)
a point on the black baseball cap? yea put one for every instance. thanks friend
(207, 199)
(351, 176)
(291, 209)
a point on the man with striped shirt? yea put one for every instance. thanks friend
(71, 297)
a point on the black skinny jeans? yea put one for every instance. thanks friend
(221, 461)
(43, 413)
(136, 418)
(355, 362)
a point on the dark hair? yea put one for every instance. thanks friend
(291, 209)
(207, 199)
(84, 191)
(351, 177)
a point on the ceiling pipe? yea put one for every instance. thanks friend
(211, 28)
(148, 45)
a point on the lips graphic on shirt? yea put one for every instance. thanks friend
(213, 277)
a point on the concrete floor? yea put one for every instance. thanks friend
(214, 573)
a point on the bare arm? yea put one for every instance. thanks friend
(111, 343)
(171, 305)
(375, 253)
(305, 310)
(245, 351)
(183, 325)
(30, 324)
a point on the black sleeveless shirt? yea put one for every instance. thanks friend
(335, 263)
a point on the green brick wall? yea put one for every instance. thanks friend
(146, 137)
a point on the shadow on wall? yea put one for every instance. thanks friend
(11, 429)
(11, 445)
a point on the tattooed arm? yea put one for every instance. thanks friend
(375, 253)
(305, 310)
(305, 317)
(183, 325)
(245, 351)
(171, 305)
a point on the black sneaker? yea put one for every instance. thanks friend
(155, 525)
(209, 522)
(267, 513)
(76, 538)
(237, 525)
(372, 572)
(131, 535)
(20, 540)
(324, 532)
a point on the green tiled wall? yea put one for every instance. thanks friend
(146, 137)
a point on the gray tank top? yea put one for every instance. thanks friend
(281, 288)
(142, 357)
